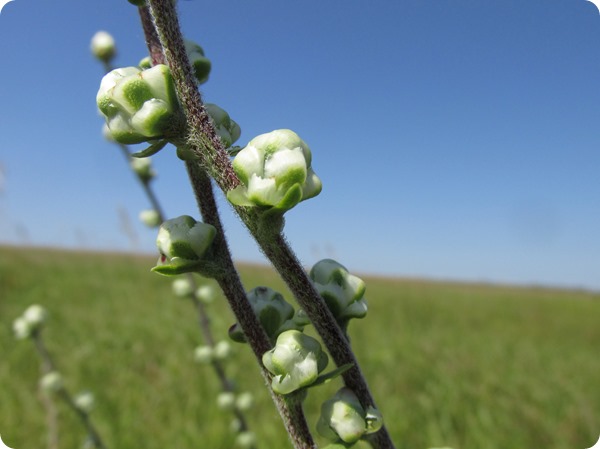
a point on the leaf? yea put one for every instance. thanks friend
(324, 378)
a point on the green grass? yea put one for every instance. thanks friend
(465, 366)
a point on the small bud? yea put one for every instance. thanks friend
(183, 242)
(206, 293)
(203, 354)
(85, 401)
(143, 168)
(145, 63)
(275, 171)
(35, 315)
(295, 361)
(140, 106)
(245, 440)
(103, 46)
(235, 426)
(51, 382)
(22, 328)
(182, 287)
(150, 217)
(226, 400)
(273, 311)
(222, 350)
(200, 63)
(342, 292)
(245, 401)
(228, 130)
(342, 418)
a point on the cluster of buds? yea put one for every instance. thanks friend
(30, 322)
(140, 106)
(295, 362)
(344, 420)
(342, 292)
(274, 313)
(183, 244)
(275, 173)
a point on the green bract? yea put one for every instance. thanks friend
(139, 106)
(200, 63)
(183, 243)
(228, 130)
(273, 311)
(344, 419)
(275, 172)
(295, 361)
(342, 292)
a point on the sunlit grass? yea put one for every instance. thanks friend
(465, 366)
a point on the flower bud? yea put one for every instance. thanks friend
(206, 293)
(342, 292)
(51, 382)
(22, 328)
(35, 315)
(139, 106)
(228, 130)
(226, 400)
(275, 172)
(203, 354)
(150, 217)
(244, 401)
(245, 440)
(343, 418)
(183, 243)
(103, 46)
(200, 63)
(222, 350)
(145, 63)
(295, 361)
(274, 313)
(182, 287)
(85, 401)
(142, 166)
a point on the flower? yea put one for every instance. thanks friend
(103, 46)
(140, 106)
(295, 361)
(183, 243)
(275, 172)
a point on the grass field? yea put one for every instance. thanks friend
(465, 366)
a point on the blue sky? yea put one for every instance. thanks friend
(455, 139)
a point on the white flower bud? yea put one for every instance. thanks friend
(36, 315)
(245, 401)
(182, 287)
(206, 293)
(150, 217)
(103, 46)
(22, 328)
(85, 401)
(235, 426)
(226, 400)
(203, 354)
(342, 417)
(142, 166)
(222, 350)
(51, 382)
(245, 440)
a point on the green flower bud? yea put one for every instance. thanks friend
(103, 46)
(235, 425)
(228, 130)
(150, 217)
(342, 292)
(222, 350)
(295, 361)
(139, 106)
(183, 243)
(274, 313)
(143, 168)
(203, 354)
(85, 401)
(206, 293)
(245, 440)
(182, 287)
(226, 400)
(200, 63)
(275, 172)
(51, 382)
(343, 418)
(145, 63)
(244, 401)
